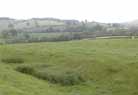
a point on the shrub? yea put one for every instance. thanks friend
(12, 60)
(26, 69)
(70, 78)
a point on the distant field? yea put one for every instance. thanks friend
(52, 35)
(39, 35)
(93, 67)
(117, 37)
(66, 33)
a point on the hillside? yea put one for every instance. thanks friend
(52, 30)
(27, 24)
(86, 67)
(55, 25)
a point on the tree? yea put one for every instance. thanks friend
(133, 31)
(37, 24)
(9, 33)
(26, 36)
(28, 24)
(11, 25)
(13, 32)
(4, 34)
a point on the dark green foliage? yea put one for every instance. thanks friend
(63, 37)
(26, 69)
(112, 70)
(69, 78)
(12, 60)
(9, 33)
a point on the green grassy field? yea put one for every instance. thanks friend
(107, 67)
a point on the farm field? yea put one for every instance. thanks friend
(84, 67)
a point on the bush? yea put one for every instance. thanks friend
(26, 69)
(70, 78)
(12, 60)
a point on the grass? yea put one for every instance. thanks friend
(12, 60)
(108, 66)
(66, 78)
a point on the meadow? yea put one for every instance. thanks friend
(84, 67)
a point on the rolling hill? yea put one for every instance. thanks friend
(86, 67)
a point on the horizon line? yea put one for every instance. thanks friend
(29, 18)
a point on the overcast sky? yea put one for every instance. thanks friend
(92, 10)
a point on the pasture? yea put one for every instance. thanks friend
(85, 67)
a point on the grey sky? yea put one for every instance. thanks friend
(93, 10)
